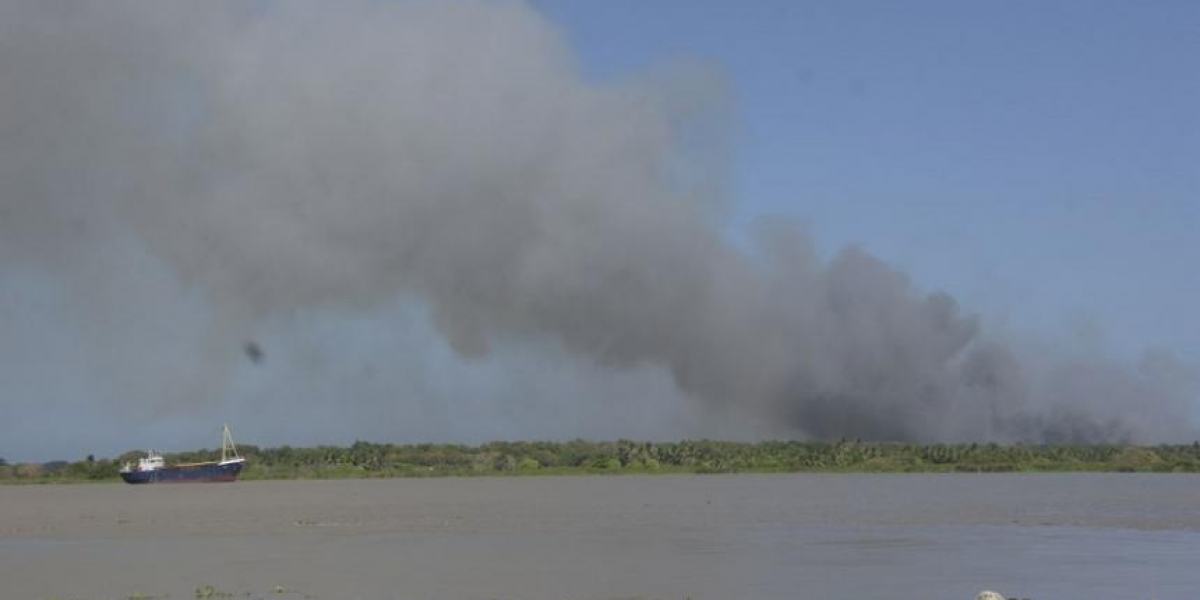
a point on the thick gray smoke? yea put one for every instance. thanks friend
(276, 158)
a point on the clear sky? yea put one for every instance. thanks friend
(1039, 160)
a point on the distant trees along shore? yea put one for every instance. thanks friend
(365, 459)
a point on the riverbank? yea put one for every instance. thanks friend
(369, 460)
(710, 457)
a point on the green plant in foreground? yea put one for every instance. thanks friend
(208, 591)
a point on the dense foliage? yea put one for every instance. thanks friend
(364, 459)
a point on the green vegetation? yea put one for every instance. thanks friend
(208, 591)
(364, 459)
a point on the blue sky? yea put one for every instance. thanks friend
(1039, 160)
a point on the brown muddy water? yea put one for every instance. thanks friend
(746, 537)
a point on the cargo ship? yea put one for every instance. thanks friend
(153, 468)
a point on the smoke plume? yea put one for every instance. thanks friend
(277, 158)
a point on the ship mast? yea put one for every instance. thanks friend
(227, 447)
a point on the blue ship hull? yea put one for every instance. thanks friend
(202, 473)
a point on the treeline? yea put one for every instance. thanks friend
(364, 459)
(60, 470)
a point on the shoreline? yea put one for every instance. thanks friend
(586, 473)
(578, 458)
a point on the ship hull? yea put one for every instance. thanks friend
(206, 473)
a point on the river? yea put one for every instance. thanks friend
(717, 537)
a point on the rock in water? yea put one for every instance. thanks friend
(986, 595)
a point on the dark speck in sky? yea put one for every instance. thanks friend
(254, 352)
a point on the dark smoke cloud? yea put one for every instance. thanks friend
(235, 164)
